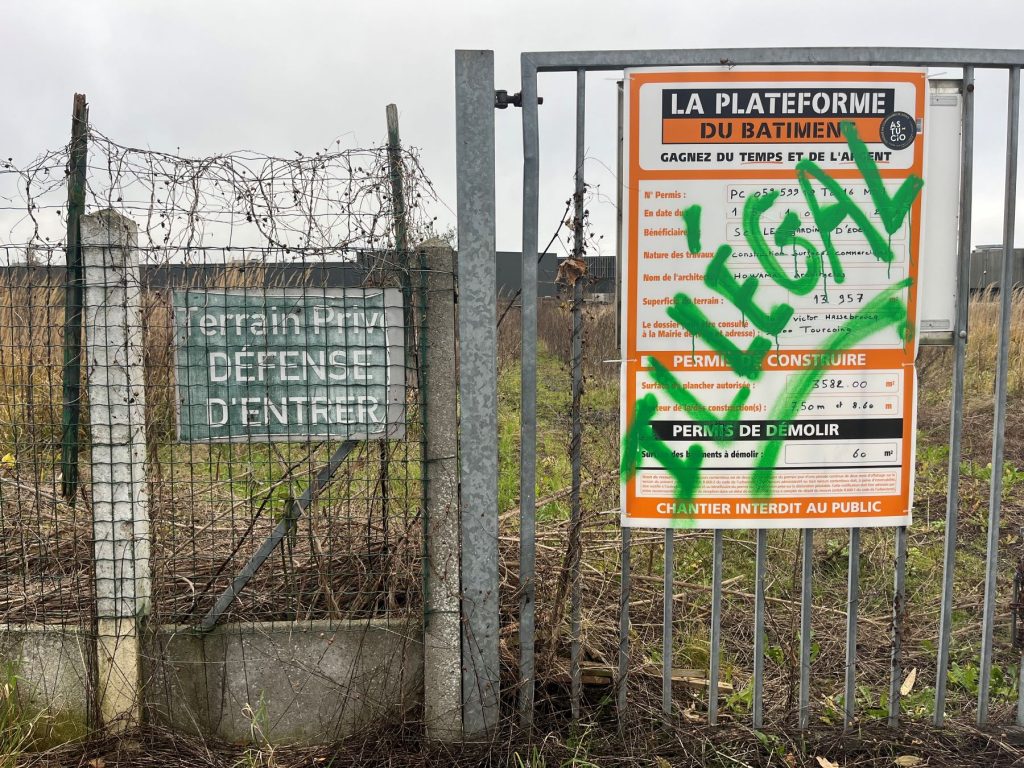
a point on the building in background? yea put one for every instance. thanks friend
(987, 266)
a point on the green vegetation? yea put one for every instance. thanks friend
(204, 499)
(692, 568)
(17, 726)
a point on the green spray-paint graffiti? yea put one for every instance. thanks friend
(886, 310)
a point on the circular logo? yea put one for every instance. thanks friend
(898, 130)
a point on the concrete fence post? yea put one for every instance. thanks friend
(121, 546)
(442, 648)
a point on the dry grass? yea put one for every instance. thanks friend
(556, 744)
(356, 556)
(692, 603)
(357, 553)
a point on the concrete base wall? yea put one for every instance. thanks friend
(50, 665)
(270, 682)
(281, 682)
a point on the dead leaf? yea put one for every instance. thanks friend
(824, 762)
(908, 684)
(97, 762)
(570, 271)
(790, 760)
(691, 717)
(908, 761)
(661, 762)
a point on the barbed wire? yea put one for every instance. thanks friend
(29, 193)
(319, 206)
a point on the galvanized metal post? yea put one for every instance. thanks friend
(478, 391)
(117, 403)
(625, 586)
(759, 569)
(716, 626)
(899, 611)
(1017, 628)
(621, 694)
(619, 247)
(957, 398)
(442, 657)
(72, 371)
(1020, 690)
(576, 414)
(995, 498)
(668, 578)
(528, 407)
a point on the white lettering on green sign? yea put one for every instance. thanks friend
(289, 364)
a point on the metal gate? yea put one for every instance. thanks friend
(476, 100)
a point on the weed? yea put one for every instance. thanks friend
(740, 702)
(534, 759)
(579, 744)
(262, 755)
(16, 726)
(772, 743)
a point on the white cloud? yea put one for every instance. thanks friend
(213, 76)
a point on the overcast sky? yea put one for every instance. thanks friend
(209, 76)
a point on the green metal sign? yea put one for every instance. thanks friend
(289, 364)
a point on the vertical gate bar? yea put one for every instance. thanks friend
(621, 699)
(576, 444)
(619, 250)
(1020, 690)
(1002, 367)
(806, 594)
(852, 598)
(478, 451)
(759, 567)
(956, 411)
(626, 585)
(528, 413)
(666, 625)
(899, 611)
(716, 625)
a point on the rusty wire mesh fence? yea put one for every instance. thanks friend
(355, 552)
(234, 227)
(45, 539)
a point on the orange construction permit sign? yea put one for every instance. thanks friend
(769, 317)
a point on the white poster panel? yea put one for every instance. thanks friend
(772, 238)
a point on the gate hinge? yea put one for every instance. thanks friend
(502, 100)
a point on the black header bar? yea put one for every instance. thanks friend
(759, 431)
